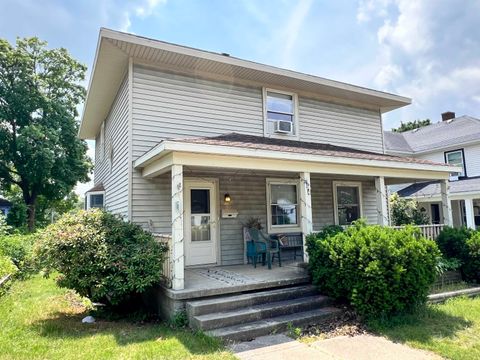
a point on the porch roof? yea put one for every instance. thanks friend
(431, 190)
(235, 146)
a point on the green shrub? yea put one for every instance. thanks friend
(452, 242)
(19, 248)
(379, 270)
(101, 256)
(7, 267)
(471, 266)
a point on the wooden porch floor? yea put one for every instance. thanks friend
(217, 280)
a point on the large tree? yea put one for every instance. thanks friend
(411, 125)
(40, 90)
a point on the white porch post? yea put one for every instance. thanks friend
(469, 213)
(382, 201)
(306, 210)
(178, 259)
(446, 204)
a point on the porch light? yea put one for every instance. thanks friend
(227, 199)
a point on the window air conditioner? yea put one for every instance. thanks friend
(283, 127)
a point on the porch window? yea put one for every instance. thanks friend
(455, 158)
(282, 196)
(347, 198)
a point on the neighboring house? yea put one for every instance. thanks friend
(5, 206)
(190, 144)
(454, 140)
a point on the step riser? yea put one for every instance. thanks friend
(249, 334)
(232, 319)
(196, 310)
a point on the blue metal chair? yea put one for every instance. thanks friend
(264, 245)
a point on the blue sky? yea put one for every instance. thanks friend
(425, 49)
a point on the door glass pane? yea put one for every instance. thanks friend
(200, 228)
(200, 201)
(347, 214)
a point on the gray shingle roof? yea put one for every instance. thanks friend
(429, 189)
(302, 147)
(436, 136)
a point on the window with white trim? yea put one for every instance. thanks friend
(347, 198)
(283, 204)
(455, 158)
(280, 113)
(95, 199)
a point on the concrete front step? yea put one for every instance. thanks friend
(232, 302)
(258, 312)
(251, 330)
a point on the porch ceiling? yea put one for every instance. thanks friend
(234, 151)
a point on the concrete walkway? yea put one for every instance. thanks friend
(361, 347)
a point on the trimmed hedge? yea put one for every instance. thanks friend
(379, 270)
(462, 244)
(101, 256)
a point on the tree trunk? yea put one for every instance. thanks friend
(31, 202)
(31, 215)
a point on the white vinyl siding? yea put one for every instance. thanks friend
(167, 105)
(340, 125)
(323, 205)
(114, 177)
(175, 106)
(472, 158)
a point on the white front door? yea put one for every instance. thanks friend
(201, 222)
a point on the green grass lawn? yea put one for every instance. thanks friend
(38, 320)
(451, 330)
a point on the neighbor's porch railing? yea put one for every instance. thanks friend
(167, 275)
(429, 231)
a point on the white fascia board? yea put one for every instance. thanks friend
(167, 146)
(230, 60)
(446, 148)
(97, 51)
(452, 196)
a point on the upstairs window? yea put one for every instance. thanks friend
(280, 110)
(456, 158)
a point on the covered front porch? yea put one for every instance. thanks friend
(212, 191)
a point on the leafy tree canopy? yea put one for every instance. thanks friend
(411, 125)
(40, 90)
(406, 212)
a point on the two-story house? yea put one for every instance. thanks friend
(191, 143)
(454, 140)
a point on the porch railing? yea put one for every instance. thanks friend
(167, 274)
(429, 231)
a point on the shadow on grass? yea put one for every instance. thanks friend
(69, 326)
(421, 326)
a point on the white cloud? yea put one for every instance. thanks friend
(427, 50)
(368, 9)
(387, 75)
